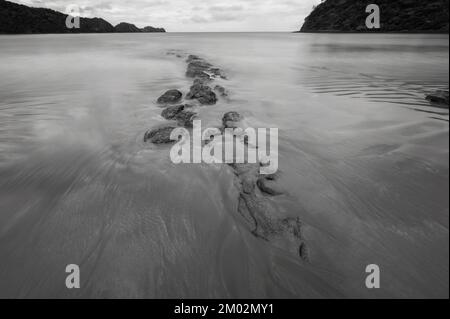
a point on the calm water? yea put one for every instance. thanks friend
(364, 156)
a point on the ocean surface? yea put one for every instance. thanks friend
(364, 156)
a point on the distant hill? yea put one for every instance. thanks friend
(396, 16)
(20, 19)
(126, 27)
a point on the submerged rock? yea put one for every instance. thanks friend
(270, 187)
(261, 217)
(159, 135)
(439, 97)
(263, 220)
(202, 93)
(221, 90)
(170, 97)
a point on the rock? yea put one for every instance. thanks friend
(303, 251)
(232, 120)
(439, 97)
(159, 135)
(170, 97)
(202, 93)
(178, 113)
(198, 69)
(185, 118)
(216, 72)
(172, 111)
(270, 187)
(221, 90)
(191, 58)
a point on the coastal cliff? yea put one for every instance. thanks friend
(396, 16)
(20, 19)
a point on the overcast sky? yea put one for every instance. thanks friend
(193, 15)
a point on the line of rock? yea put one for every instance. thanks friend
(255, 190)
(203, 74)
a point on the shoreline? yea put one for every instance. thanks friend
(373, 32)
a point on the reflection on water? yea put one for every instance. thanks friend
(366, 172)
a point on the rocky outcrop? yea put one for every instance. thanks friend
(180, 114)
(396, 16)
(170, 97)
(439, 98)
(20, 19)
(203, 93)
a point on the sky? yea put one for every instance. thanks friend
(193, 15)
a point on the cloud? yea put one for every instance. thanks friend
(194, 15)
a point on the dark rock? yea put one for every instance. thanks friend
(172, 111)
(203, 94)
(231, 120)
(185, 118)
(439, 97)
(159, 135)
(178, 113)
(170, 97)
(198, 69)
(303, 251)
